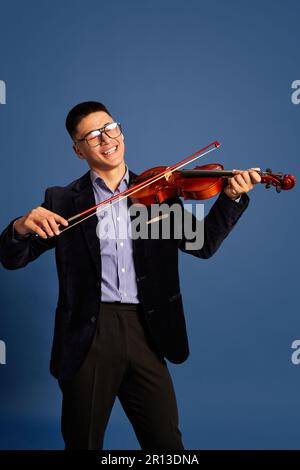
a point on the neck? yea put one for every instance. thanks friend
(113, 176)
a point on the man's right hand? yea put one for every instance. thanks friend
(40, 221)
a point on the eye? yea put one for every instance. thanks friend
(94, 134)
(111, 126)
(92, 139)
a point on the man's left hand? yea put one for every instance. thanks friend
(241, 182)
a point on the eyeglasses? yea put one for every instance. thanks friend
(94, 138)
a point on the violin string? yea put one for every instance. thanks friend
(117, 200)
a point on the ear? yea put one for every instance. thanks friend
(122, 135)
(78, 151)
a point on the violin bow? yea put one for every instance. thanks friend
(128, 192)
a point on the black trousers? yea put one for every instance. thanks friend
(121, 363)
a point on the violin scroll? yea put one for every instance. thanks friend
(278, 180)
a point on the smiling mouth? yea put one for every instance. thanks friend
(110, 151)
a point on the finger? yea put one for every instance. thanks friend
(235, 187)
(230, 185)
(255, 177)
(46, 227)
(253, 174)
(240, 186)
(37, 229)
(242, 183)
(53, 225)
(60, 219)
(246, 177)
(56, 217)
(229, 181)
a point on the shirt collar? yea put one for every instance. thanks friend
(96, 178)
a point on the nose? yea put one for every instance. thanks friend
(104, 138)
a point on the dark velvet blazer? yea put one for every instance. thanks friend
(79, 274)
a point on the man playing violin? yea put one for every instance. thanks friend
(114, 326)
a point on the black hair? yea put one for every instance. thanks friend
(80, 111)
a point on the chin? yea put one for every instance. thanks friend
(110, 164)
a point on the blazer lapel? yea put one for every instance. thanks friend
(84, 199)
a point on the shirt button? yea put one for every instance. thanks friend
(118, 219)
(125, 294)
(93, 319)
(123, 270)
(121, 243)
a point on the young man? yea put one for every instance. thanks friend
(119, 311)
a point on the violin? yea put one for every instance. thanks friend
(160, 183)
(203, 182)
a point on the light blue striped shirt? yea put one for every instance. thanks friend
(118, 272)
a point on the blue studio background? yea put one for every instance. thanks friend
(177, 75)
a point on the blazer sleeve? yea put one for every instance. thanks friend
(216, 226)
(17, 251)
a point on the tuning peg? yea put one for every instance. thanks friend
(268, 185)
(268, 170)
(278, 189)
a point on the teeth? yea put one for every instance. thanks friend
(108, 152)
